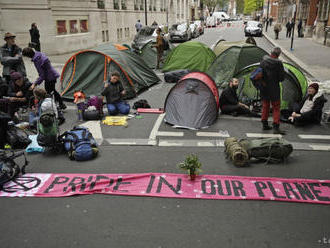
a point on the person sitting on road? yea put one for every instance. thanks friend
(19, 93)
(229, 103)
(114, 91)
(309, 110)
(45, 103)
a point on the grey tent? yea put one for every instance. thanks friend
(193, 102)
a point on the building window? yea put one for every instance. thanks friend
(126, 32)
(115, 4)
(123, 5)
(142, 5)
(100, 4)
(103, 36)
(61, 27)
(136, 5)
(73, 26)
(107, 34)
(120, 33)
(83, 26)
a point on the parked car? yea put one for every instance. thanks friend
(194, 30)
(180, 32)
(200, 27)
(146, 34)
(221, 16)
(211, 21)
(253, 28)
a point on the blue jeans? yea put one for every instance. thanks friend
(33, 119)
(118, 107)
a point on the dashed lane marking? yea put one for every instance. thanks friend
(311, 136)
(131, 142)
(191, 143)
(263, 135)
(164, 133)
(213, 134)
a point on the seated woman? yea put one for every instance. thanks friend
(45, 103)
(19, 93)
(309, 110)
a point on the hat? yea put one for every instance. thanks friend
(9, 35)
(15, 76)
(78, 95)
(315, 86)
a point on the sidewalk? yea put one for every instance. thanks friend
(312, 57)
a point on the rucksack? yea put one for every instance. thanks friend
(166, 45)
(257, 78)
(47, 130)
(17, 138)
(143, 103)
(80, 144)
(9, 169)
(272, 150)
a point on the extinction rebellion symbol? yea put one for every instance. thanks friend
(24, 183)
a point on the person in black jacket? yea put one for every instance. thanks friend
(113, 92)
(35, 37)
(19, 93)
(273, 74)
(309, 110)
(229, 103)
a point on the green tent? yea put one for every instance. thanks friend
(191, 55)
(149, 54)
(88, 69)
(222, 45)
(293, 88)
(232, 60)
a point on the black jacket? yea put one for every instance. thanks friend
(315, 114)
(273, 73)
(35, 36)
(112, 92)
(228, 97)
(10, 61)
(13, 89)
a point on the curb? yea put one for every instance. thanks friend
(289, 55)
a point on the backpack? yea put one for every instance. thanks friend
(143, 103)
(166, 46)
(17, 138)
(257, 78)
(9, 169)
(272, 150)
(80, 144)
(47, 130)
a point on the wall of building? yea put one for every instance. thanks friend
(104, 24)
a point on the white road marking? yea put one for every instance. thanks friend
(320, 147)
(213, 134)
(153, 133)
(311, 136)
(95, 128)
(191, 143)
(130, 142)
(263, 135)
(163, 133)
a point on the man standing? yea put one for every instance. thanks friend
(159, 47)
(46, 73)
(229, 103)
(138, 26)
(11, 57)
(288, 29)
(35, 37)
(273, 74)
(277, 30)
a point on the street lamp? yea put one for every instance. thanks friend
(267, 21)
(145, 12)
(294, 24)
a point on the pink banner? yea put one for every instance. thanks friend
(170, 185)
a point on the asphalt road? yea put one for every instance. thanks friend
(124, 221)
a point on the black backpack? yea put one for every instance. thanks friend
(166, 46)
(143, 103)
(9, 169)
(17, 138)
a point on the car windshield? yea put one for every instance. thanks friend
(146, 31)
(182, 27)
(252, 24)
(192, 26)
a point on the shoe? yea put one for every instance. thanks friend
(61, 121)
(277, 130)
(265, 126)
(62, 106)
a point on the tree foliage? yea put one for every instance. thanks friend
(252, 5)
(211, 4)
(239, 6)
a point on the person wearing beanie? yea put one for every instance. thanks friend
(11, 57)
(46, 73)
(19, 92)
(309, 110)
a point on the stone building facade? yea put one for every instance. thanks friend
(71, 25)
(315, 15)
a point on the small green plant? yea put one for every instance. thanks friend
(192, 165)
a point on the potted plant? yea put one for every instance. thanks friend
(192, 165)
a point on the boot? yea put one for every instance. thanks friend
(265, 126)
(277, 130)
